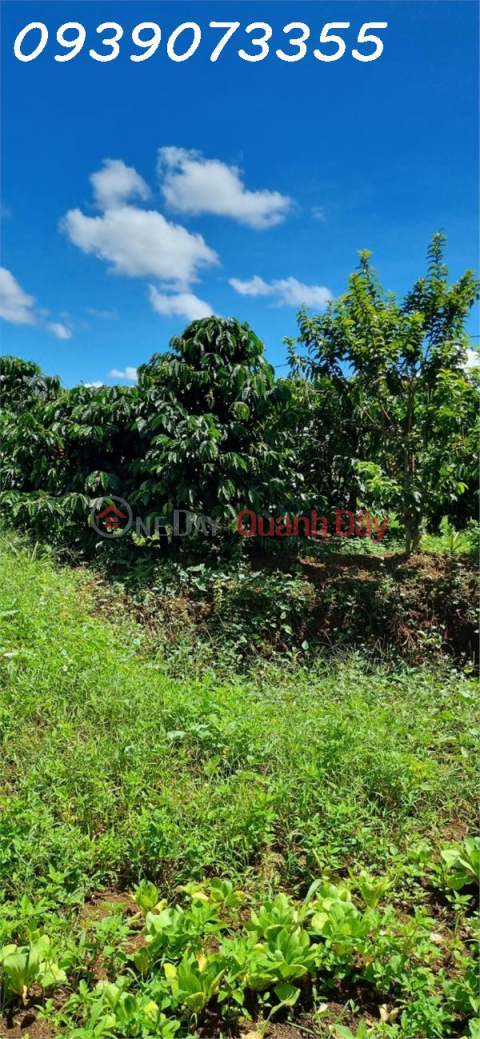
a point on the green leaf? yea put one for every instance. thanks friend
(287, 994)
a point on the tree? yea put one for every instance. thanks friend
(60, 448)
(398, 368)
(205, 412)
(23, 384)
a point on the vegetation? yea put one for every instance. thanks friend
(379, 414)
(237, 774)
(184, 856)
(411, 413)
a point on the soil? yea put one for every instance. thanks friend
(101, 902)
(421, 607)
(24, 1024)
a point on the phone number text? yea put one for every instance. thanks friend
(335, 39)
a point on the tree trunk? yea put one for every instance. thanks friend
(352, 501)
(412, 529)
(413, 534)
(408, 533)
(416, 538)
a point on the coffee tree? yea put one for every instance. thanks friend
(206, 412)
(379, 410)
(60, 449)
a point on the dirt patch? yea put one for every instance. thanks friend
(24, 1023)
(102, 903)
(284, 1030)
(422, 607)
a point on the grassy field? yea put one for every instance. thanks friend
(125, 792)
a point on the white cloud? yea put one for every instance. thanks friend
(19, 308)
(103, 315)
(15, 305)
(473, 358)
(284, 291)
(182, 304)
(140, 243)
(136, 242)
(115, 183)
(194, 184)
(93, 385)
(59, 330)
(294, 293)
(128, 373)
(318, 213)
(255, 286)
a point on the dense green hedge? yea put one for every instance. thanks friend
(379, 412)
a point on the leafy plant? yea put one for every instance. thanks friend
(462, 863)
(146, 896)
(23, 966)
(397, 369)
(371, 888)
(195, 981)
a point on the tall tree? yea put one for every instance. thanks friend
(399, 369)
(206, 414)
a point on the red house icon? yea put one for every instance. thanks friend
(111, 522)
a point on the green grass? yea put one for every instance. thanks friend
(111, 770)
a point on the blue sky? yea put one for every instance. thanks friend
(233, 186)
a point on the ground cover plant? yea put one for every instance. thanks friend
(190, 850)
(237, 774)
(316, 601)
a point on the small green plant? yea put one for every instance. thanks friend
(173, 930)
(220, 893)
(146, 896)
(287, 995)
(372, 889)
(288, 956)
(195, 981)
(274, 917)
(462, 863)
(342, 926)
(132, 1015)
(23, 966)
(343, 1032)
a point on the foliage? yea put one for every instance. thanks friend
(272, 847)
(61, 450)
(398, 369)
(462, 863)
(455, 542)
(256, 967)
(21, 967)
(380, 413)
(205, 412)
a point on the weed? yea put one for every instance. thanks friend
(291, 839)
